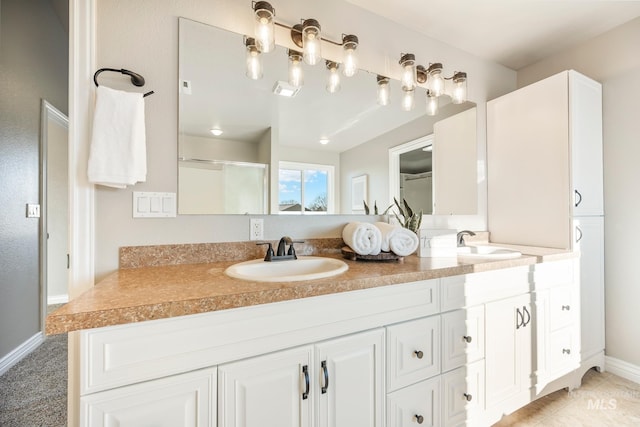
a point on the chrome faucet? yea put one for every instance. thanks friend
(461, 235)
(281, 253)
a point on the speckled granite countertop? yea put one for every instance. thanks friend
(162, 291)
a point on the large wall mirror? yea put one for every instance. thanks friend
(270, 157)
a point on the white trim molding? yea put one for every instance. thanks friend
(82, 64)
(57, 299)
(20, 352)
(623, 369)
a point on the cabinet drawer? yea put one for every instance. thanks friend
(463, 395)
(561, 307)
(416, 405)
(462, 337)
(564, 351)
(413, 351)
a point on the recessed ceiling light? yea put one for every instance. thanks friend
(216, 131)
(324, 141)
(285, 89)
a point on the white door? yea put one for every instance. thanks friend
(508, 358)
(274, 390)
(186, 400)
(350, 389)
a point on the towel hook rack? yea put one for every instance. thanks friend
(136, 79)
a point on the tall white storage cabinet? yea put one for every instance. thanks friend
(545, 186)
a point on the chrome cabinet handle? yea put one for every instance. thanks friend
(419, 354)
(305, 371)
(526, 311)
(566, 307)
(468, 397)
(467, 339)
(519, 318)
(566, 351)
(579, 233)
(419, 418)
(325, 373)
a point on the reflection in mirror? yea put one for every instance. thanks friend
(415, 174)
(262, 128)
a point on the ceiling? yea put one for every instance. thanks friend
(514, 33)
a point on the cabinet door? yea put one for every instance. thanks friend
(349, 387)
(267, 391)
(508, 358)
(585, 102)
(182, 400)
(462, 337)
(591, 246)
(416, 405)
(528, 178)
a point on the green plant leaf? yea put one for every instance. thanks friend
(366, 207)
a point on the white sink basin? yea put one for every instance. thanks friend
(487, 252)
(303, 268)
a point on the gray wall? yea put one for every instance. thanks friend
(142, 35)
(613, 60)
(33, 65)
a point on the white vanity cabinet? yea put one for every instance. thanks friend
(340, 381)
(544, 150)
(185, 400)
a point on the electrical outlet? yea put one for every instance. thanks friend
(256, 229)
(33, 210)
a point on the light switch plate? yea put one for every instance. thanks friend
(154, 205)
(33, 210)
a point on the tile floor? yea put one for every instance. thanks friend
(603, 400)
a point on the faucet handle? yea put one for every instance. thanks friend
(270, 253)
(292, 250)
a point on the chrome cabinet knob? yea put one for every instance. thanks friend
(566, 307)
(419, 418)
(468, 397)
(419, 354)
(467, 339)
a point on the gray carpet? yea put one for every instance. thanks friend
(34, 391)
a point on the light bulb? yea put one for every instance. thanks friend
(408, 76)
(435, 80)
(407, 100)
(333, 85)
(383, 90)
(311, 39)
(254, 62)
(432, 104)
(295, 69)
(350, 61)
(459, 94)
(264, 26)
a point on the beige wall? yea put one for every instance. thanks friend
(614, 60)
(142, 35)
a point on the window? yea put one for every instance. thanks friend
(305, 188)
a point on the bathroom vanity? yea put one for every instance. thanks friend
(428, 342)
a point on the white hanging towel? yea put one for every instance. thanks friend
(118, 154)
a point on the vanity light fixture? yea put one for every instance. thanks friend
(333, 85)
(350, 61)
(384, 93)
(435, 80)
(254, 62)
(216, 131)
(295, 68)
(408, 100)
(459, 93)
(409, 76)
(311, 37)
(264, 26)
(432, 103)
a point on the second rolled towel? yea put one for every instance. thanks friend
(364, 238)
(400, 241)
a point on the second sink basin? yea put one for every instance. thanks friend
(487, 252)
(304, 268)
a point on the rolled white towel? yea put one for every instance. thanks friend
(399, 240)
(364, 238)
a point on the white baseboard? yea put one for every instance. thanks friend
(21, 351)
(57, 299)
(623, 369)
